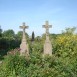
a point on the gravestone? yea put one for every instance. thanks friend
(24, 45)
(47, 44)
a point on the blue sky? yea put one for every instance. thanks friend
(60, 14)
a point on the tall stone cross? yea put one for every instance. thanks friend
(47, 44)
(24, 46)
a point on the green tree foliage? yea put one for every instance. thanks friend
(10, 40)
(69, 31)
(33, 36)
(9, 34)
(0, 32)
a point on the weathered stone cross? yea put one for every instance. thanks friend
(47, 44)
(47, 26)
(24, 46)
(23, 27)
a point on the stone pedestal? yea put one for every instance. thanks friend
(24, 49)
(47, 47)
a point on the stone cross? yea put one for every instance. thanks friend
(47, 26)
(23, 27)
(24, 46)
(47, 45)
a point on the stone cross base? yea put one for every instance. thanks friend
(24, 49)
(47, 48)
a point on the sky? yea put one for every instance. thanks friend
(61, 14)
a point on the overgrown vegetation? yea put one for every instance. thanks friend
(63, 62)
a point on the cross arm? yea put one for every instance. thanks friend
(44, 26)
(24, 27)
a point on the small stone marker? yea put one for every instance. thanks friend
(47, 44)
(24, 46)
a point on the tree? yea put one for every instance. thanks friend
(0, 32)
(69, 31)
(33, 36)
(10, 38)
(9, 34)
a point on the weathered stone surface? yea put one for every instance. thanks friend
(24, 46)
(47, 44)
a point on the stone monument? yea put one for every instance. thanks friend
(24, 46)
(47, 44)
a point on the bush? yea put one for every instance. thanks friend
(63, 62)
(13, 64)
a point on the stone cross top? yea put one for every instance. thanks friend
(24, 46)
(23, 27)
(47, 26)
